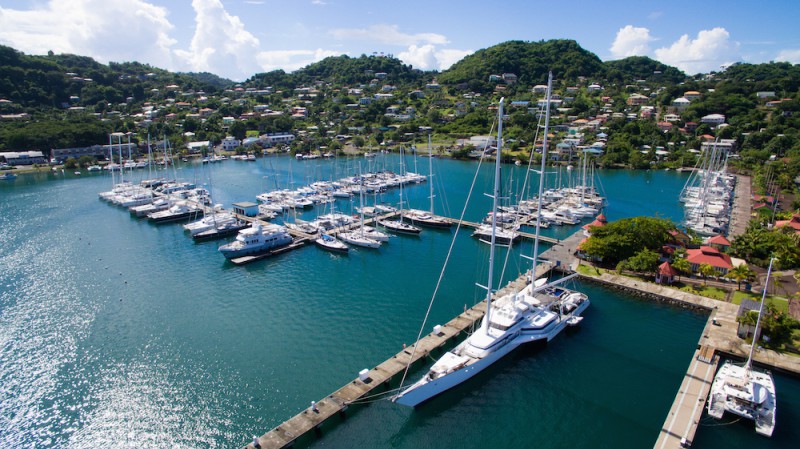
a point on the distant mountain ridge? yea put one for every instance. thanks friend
(56, 80)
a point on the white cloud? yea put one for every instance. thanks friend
(318, 2)
(789, 55)
(388, 34)
(631, 41)
(107, 30)
(290, 60)
(220, 43)
(711, 49)
(427, 57)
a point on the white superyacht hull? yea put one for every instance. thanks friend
(425, 389)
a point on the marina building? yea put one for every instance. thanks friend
(23, 157)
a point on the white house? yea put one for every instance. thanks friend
(273, 139)
(230, 143)
(680, 103)
(713, 119)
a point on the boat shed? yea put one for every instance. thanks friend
(245, 208)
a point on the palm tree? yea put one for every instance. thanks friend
(740, 273)
(706, 270)
(682, 265)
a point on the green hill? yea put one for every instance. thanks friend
(530, 61)
(642, 68)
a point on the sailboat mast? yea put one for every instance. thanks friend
(430, 169)
(495, 197)
(541, 177)
(758, 321)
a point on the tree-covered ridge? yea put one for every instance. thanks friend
(642, 68)
(344, 70)
(66, 80)
(530, 61)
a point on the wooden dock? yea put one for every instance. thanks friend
(681, 424)
(376, 381)
(719, 338)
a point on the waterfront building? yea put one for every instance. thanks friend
(711, 256)
(23, 157)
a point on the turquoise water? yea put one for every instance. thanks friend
(117, 332)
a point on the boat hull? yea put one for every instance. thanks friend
(421, 391)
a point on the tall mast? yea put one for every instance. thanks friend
(541, 176)
(749, 363)
(430, 169)
(111, 157)
(495, 197)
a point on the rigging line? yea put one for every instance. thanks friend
(441, 273)
(524, 187)
(373, 397)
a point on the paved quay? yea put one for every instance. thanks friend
(740, 214)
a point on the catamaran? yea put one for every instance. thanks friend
(745, 390)
(536, 313)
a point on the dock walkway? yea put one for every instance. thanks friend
(719, 338)
(740, 214)
(375, 382)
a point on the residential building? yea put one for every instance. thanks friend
(680, 104)
(230, 143)
(273, 139)
(713, 119)
(637, 99)
(691, 95)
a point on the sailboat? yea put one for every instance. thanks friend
(425, 218)
(358, 237)
(745, 390)
(536, 313)
(399, 225)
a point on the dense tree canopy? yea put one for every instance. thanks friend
(622, 239)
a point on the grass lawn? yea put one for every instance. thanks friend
(705, 290)
(588, 270)
(782, 304)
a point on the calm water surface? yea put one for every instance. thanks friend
(117, 332)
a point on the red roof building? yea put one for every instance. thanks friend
(679, 238)
(665, 274)
(720, 242)
(769, 199)
(793, 223)
(711, 256)
(600, 221)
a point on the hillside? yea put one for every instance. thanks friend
(61, 81)
(530, 61)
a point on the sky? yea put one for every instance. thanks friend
(238, 38)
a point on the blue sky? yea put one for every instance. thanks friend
(237, 38)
